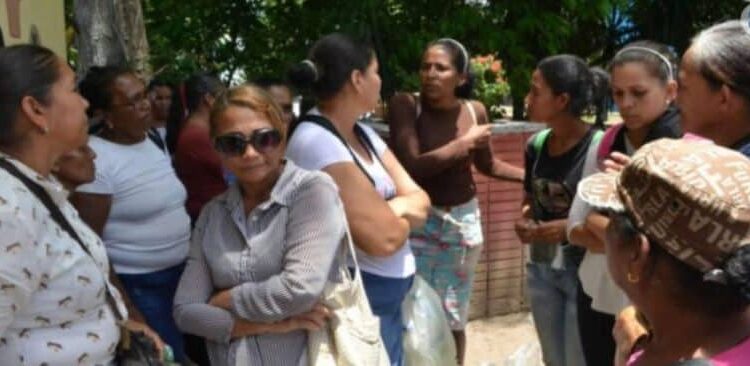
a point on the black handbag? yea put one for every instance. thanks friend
(135, 348)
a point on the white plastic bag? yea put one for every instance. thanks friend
(428, 340)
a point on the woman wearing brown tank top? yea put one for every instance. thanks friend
(437, 136)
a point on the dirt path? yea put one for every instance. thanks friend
(493, 341)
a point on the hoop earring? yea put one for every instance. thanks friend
(633, 278)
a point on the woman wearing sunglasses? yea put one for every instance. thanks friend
(382, 202)
(262, 251)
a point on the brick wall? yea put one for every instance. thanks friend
(500, 281)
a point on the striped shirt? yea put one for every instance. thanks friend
(276, 261)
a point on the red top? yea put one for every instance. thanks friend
(199, 168)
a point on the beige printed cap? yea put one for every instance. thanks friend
(692, 198)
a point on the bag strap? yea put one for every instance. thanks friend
(472, 112)
(155, 137)
(598, 134)
(540, 139)
(417, 105)
(57, 216)
(358, 130)
(608, 140)
(352, 251)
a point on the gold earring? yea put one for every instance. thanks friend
(45, 130)
(633, 278)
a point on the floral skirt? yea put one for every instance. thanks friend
(447, 250)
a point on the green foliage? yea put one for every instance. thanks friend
(675, 22)
(251, 38)
(491, 88)
(245, 39)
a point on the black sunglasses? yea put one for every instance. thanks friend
(234, 144)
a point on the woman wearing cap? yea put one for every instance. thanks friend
(714, 100)
(437, 135)
(262, 251)
(643, 88)
(676, 244)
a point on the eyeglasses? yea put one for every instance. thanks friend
(138, 100)
(234, 144)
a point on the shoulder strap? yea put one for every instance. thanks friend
(539, 140)
(607, 141)
(44, 197)
(56, 215)
(417, 104)
(325, 123)
(472, 112)
(155, 137)
(362, 134)
(598, 134)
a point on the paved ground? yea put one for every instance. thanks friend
(502, 341)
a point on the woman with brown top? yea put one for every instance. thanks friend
(438, 135)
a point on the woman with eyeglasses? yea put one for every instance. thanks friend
(262, 251)
(136, 203)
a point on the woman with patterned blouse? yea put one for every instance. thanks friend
(53, 294)
(261, 252)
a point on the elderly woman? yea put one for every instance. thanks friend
(54, 306)
(136, 203)
(676, 244)
(714, 101)
(714, 83)
(262, 251)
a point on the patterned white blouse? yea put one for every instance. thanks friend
(53, 306)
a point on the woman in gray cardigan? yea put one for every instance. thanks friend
(261, 252)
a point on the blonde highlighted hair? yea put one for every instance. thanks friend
(253, 98)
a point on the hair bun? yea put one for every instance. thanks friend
(304, 74)
(737, 269)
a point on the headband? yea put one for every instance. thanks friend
(313, 67)
(461, 47)
(661, 57)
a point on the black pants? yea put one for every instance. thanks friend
(596, 332)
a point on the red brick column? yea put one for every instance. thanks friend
(500, 280)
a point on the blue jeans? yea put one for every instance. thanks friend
(153, 294)
(385, 295)
(553, 294)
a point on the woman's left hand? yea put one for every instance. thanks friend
(615, 162)
(138, 327)
(222, 299)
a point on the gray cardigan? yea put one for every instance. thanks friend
(276, 261)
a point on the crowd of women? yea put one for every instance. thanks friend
(212, 221)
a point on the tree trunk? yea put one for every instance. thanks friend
(109, 33)
(519, 108)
